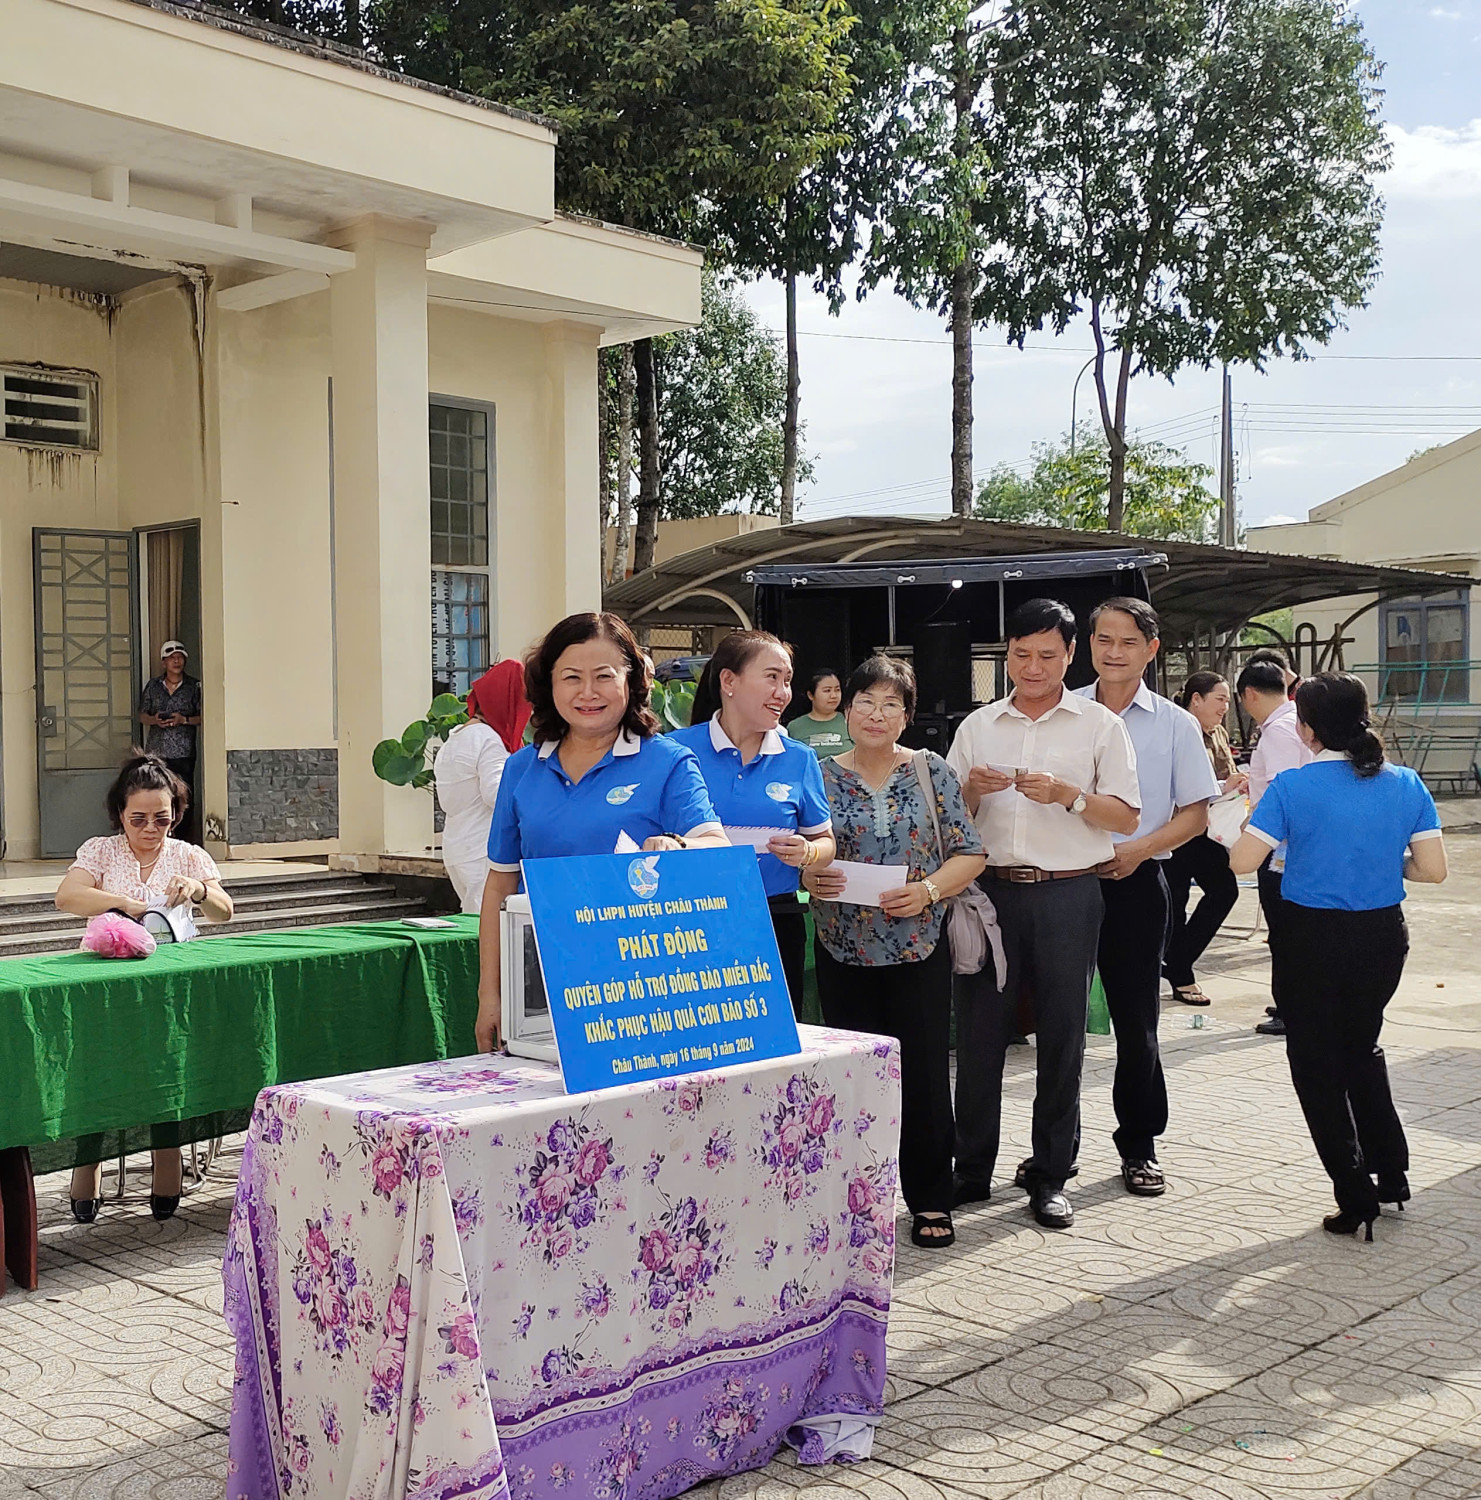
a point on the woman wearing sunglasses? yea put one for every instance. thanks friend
(140, 867)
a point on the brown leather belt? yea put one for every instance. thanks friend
(1032, 875)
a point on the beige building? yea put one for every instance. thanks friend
(298, 365)
(1415, 654)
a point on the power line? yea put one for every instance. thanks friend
(885, 338)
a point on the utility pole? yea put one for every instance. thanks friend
(1227, 533)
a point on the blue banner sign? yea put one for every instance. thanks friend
(658, 964)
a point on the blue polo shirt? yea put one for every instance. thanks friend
(1172, 766)
(781, 788)
(641, 786)
(1346, 834)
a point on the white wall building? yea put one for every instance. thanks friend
(298, 363)
(1415, 654)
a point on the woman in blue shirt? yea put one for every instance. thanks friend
(597, 768)
(1355, 827)
(759, 778)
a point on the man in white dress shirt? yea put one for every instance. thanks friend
(1264, 694)
(1047, 776)
(1177, 784)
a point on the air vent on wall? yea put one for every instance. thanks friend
(44, 409)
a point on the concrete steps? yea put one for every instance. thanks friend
(32, 924)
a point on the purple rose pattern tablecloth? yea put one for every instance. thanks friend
(456, 1280)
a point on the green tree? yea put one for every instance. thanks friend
(1165, 496)
(722, 394)
(820, 228)
(666, 107)
(1196, 175)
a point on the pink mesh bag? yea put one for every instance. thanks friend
(112, 935)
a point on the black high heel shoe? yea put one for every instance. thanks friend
(1394, 1190)
(85, 1210)
(163, 1206)
(1349, 1221)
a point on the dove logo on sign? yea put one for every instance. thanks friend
(642, 876)
(620, 794)
(778, 791)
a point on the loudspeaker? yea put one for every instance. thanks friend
(943, 667)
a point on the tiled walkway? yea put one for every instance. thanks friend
(1213, 1343)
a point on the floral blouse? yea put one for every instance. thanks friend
(891, 827)
(112, 865)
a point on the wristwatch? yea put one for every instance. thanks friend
(932, 893)
(1078, 805)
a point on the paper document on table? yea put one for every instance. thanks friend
(757, 838)
(625, 845)
(867, 883)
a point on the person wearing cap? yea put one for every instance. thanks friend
(171, 707)
(468, 770)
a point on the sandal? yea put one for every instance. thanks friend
(923, 1222)
(1144, 1178)
(1189, 994)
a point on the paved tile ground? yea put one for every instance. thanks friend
(1212, 1343)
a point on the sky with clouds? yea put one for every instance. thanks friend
(876, 381)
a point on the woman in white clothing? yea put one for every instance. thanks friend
(468, 769)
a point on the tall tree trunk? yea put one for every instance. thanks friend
(789, 419)
(645, 543)
(961, 389)
(354, 31)
(625, 381)
(1113, 423)
(963, 285)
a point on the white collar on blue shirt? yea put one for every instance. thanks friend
(1331, 755)
(1067, 700)
(771, 742)
(627, 744)
(1143, 698)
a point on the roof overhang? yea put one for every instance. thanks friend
(160, 135)
(1202, 588)
(631, 286)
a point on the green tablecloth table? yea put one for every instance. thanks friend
(92, 1045)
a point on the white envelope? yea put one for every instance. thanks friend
(755, 838)
(867, 883)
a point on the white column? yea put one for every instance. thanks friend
(383, 548)
(571, 365)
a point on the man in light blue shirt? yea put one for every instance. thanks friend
(1177, 783)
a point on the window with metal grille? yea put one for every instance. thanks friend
(46, 409)
(460, 443)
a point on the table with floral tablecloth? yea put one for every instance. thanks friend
(457, 1280)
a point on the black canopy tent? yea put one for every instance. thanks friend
(943, 614)
(1202, 592)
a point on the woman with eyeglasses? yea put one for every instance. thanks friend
(887, 969)
(139, 868)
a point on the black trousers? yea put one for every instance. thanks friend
(1203, 861)
(789, 923)
(1049, 934)
(1274, 905)
(912, 1003)
(1132, 934)
(1341, 968)
(190, 827)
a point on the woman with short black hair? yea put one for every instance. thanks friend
(887, 968)
(597, 769)
(140, 868)
(1356, 827)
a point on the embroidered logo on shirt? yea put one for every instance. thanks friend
(642, 874)
(779, 791)
(620, 794)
